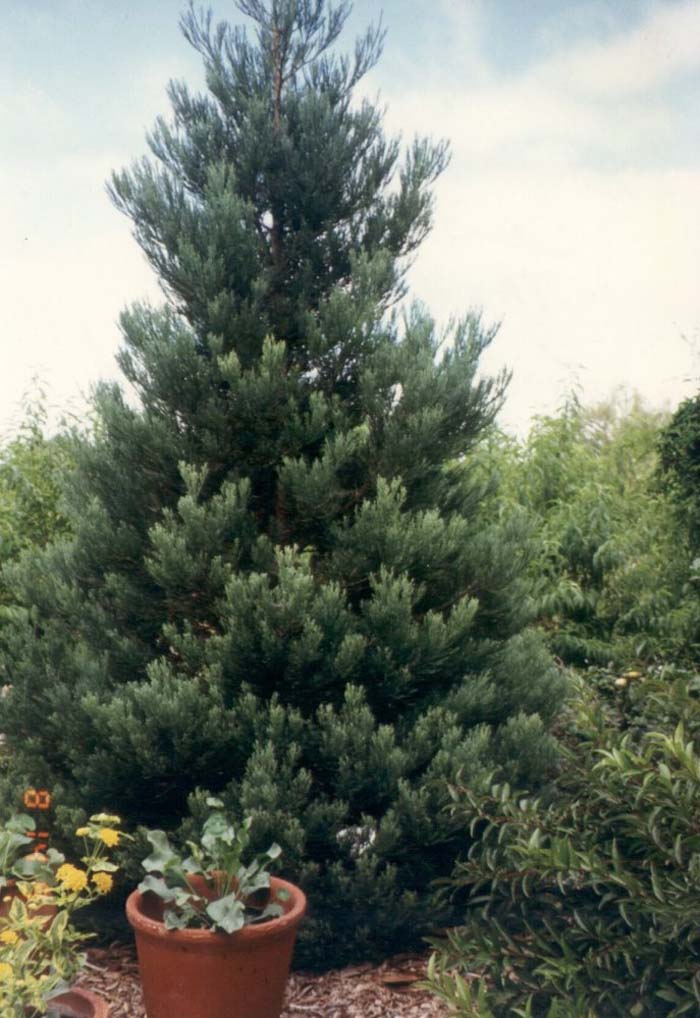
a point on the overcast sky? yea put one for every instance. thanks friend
(570, 211)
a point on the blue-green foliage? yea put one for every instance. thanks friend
(279, 587)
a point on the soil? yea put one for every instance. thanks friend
(389, 990)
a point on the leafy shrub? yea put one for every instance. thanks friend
(584, 904)
(679, 451)
(614, 578)
(31, 467)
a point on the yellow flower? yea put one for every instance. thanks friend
(103, 882)
(82, 832)
(5, 970)
(108, 836)
(71, 877)
(9, 937)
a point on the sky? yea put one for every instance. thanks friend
(570, 211)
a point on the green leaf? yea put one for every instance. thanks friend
(174, 920)
(20, 823)
(158, 886)
(271, 911)
(228, 913)
(104, 866)
(163, 853)
(668, 995)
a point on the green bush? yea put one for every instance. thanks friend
(614, 577)
(584, 904)
(679, 451)
(31, 467)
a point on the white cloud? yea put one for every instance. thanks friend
(594, 276)
(459, 39)
(590, 98)
(67, 259)
(665, 45)
(557, 215)
(528, 122)
(69, 265)
(30, 119)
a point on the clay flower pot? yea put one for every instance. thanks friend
(207, 974)
(79, 1003)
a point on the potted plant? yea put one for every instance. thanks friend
(39, 948)
(214, 935)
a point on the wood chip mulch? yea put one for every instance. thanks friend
(389, 990)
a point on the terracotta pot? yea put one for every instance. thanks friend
(77, 1003)
(203, 974)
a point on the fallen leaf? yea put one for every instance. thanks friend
(399, 977)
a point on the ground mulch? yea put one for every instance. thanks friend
(389, 990)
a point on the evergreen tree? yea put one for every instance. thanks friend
(279, 589)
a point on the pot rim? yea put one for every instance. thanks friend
(248, 935)
(99, 1005)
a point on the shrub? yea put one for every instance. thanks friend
(614, 577)
(679, 451)
(585, 903)
(31, 467)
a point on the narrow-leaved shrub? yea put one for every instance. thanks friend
(585, 903)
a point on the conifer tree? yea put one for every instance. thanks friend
(279, 589)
